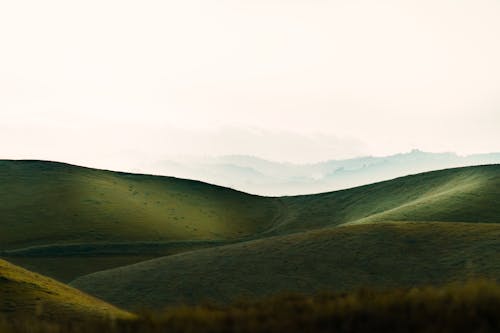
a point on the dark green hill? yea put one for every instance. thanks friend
(343, 258)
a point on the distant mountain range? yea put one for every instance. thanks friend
(260, 176)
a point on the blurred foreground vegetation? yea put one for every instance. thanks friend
(470, 307)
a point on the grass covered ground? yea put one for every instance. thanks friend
(380, 255)
(172, 242)
(66, 262)
(47, 203)
(469, 194)
(460, 308)
(27, 294)
(48, 210)
(66, 221)
(44, 203)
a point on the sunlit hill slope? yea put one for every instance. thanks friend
(27, 294)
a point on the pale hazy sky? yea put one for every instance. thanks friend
(298, 80)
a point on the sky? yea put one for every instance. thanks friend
(105, 82)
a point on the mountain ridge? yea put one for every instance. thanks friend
(260, 176)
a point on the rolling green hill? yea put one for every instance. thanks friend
(66, 221)
(380, 255)
(48, 209)
(470, 194)
(27, 294)
(45, 203)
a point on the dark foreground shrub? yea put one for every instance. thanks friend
(470, 307)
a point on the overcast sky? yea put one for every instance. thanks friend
(290, 80)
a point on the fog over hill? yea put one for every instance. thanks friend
(264, 177)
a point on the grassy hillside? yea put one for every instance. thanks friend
(464, 308)
(342, 258)
(66, 221)
(68, 261)
(26, 294)
(171, 241)
(44, 203)
(47, 210)
(470, 194)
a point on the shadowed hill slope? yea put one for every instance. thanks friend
(23, 293)
(342, 258)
